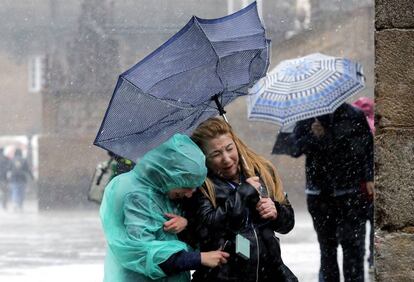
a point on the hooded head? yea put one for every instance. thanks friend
(177, 163)
(366, 104)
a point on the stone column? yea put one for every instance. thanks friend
(394, 150)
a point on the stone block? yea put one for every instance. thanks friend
(395, 77)
(394, 258)
(394, 178)
(394, 14)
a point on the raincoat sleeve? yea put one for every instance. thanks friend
(144, 245)
(181, 261)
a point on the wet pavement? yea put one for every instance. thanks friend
(70, 246)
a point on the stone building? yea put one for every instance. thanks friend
(394, 165)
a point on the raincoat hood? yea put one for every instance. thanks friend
(178, 163)
(134, 207)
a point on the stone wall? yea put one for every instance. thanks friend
(20, 110)
(394, 93)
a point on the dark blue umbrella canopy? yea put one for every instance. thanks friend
(173, 89)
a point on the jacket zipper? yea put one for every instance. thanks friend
(258, 253)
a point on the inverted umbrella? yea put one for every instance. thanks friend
(303, 88)
(203, 67)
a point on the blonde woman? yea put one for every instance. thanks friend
(241, 200)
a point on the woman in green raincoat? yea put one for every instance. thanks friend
(141, 221)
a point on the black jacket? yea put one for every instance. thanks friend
(19, 170)
(338, 162)
(216, 228)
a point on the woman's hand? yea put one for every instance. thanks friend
(214, 258)
(254, 181)
(317, 129)
(370, 188)
(175, 224)
(267, 209)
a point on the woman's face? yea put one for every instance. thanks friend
(223, 157)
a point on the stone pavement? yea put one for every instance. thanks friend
(69, 246)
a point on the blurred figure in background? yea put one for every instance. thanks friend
(119, 165)
(104, 173)
(18, 176)
(4, 168)
(339, 158)
(367, 106)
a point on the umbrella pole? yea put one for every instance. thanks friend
(220, 108)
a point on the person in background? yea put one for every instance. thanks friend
(339, 157)
(239, 208)
(141, 220)
(105, 172)
(366, 105)
(4, 168)
(18, 176)
(119, 165)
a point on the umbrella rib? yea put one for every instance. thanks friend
(214, 50)
(197, 117)
(139, 132)
(176, 74)
(167, 101)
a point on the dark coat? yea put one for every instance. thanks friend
(236, 214)
(19, 170)
(4, 167)
(338, 162)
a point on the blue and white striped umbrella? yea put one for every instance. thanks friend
(303, 88)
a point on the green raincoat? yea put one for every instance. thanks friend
(133, 208)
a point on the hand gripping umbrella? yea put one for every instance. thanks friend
(202, 68)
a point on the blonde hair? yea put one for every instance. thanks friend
(250, 162)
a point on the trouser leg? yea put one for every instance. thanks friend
(371, 236)
(324, 222)
(5, 194)
(18, 190)
(351, 230)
